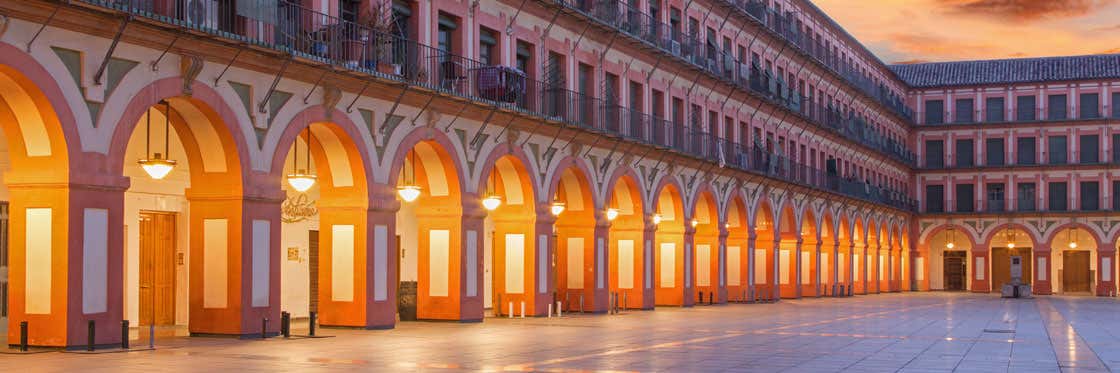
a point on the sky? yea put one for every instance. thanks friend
(914, 31)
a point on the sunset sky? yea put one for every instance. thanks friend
(901, 31)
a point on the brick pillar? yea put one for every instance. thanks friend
(381, 302)
(688, 298)
(751, 238)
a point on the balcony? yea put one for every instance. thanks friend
(747, 76)
(314, 36)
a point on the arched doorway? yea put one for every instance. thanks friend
(41, 273)
(186, 224)
(738, 237)
(950, 260)
(806, 262)
(1010, 244)
(859, 257)
(789, 247)
(575, 240)
(705, 248)
(436, 255)
(513, 251)
(844, 258)
(827, 256)
(883, 268)
(766, 242)
(628, 258)
(670, 265)
(1074, 250)
(327, 266)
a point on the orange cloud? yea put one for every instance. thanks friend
(1024, 10)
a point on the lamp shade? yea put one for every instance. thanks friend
(557, 208)
(157, 168)
(612, 213)
(491, 202)
(408, 193)
(301, 181)
(656, 219)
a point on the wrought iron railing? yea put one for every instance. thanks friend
(359, 47)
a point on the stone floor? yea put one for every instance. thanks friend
(915, 332)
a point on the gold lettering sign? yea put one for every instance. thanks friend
(297, 209)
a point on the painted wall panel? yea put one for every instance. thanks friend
(648, 265)
(342, 263)
(262, 235)
(542, 264)
(823, 266)
(215, 263)
(668, 264)
(472, 264)
(980, 268)
(515, 263)
(95, 261)
(575, 263)
(38, 261)
(783, 267)
(600, 263)
(380, 262)
(921, 274)
(882, 267)
(1106, 269)
(1041, 269)
(733, 272)
(625, 264)
(806, 277)
(439, 246)
(760, 267)
(703, 265)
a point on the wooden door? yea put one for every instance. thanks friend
(313, 268)
(1075, 271)
(4, 268)
(157, 268)
(1001, 265)
(955, 269)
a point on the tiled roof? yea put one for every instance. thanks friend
(1021, 70)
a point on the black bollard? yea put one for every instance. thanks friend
(23, 336)
(90, 342)
(311, 324)
(711, 298)
(701, 297)
(286, 324)
(264, 328)
(124, 334)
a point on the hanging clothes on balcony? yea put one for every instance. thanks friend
(500, 83)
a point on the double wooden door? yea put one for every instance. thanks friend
(157, 268)
(1076, 277)
(1001, 265)
(955, 269)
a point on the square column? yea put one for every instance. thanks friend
(1106, 273)
(981, 278)
(1042, 275)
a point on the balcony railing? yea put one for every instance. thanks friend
(708, 56)
(308, 34)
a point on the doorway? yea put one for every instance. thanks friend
(157, 268)
(4, 268)
(1001, 265)
(1076, 277)
(313, 271)
(955, 270)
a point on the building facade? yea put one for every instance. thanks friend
(212, 163)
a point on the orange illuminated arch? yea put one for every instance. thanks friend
(790, 229)
(669, 280)
(764, 252)
(514, 255)
(705, 248)
(628, 245)
(575, 227)
(738, 236)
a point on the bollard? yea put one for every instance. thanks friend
(264, 328)
(624, 306)
(510, 313)
(567, 299)
(559, 310)
(124, 334)
(580, 302)
(550, 310)
(311, 324)
(711, 298)
(498, 308)
(286, 324)
(523, 309)
(701, 301)
(91, 330)
(151, 336)
(23, 336)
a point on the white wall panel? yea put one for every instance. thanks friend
(95, 261)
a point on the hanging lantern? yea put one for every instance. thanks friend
(1072, 238)
(656, 219)
(158, 165)
(557, 207)
(612, 213)
(952, 235)
(408, 190)
(301, 180)
(694, 223)
(492, 200)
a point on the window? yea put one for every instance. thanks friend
(1090, 106)
(1025, 108)
(935, 198)
(402, 16)
(1090, 196)
(965, 198)
(445, 33)
(993, 109)
(525, 58)
(1116, 148)
(1056, 107)
(1115, 197)
(935, 112)
(1056, 147)
(1115, 104)
(965, 152)
(935, 153)
(1025, 151)
(1089, 149)
(1025, 197)
(964, 110)
(1057, 196)
(487, 46)
(994, 150)
(996, 197)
